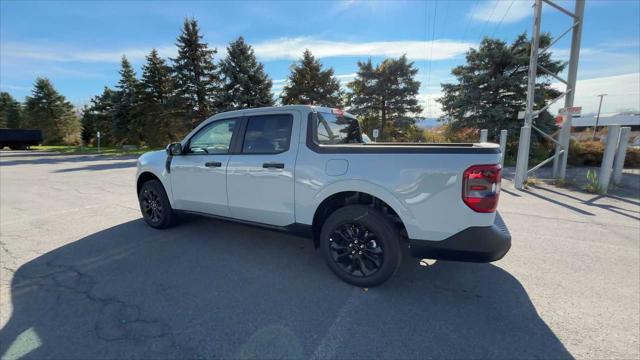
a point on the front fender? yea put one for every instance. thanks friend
(155, 163)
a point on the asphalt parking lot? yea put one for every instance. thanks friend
(83, 277)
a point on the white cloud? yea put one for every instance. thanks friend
(292, 48)
(59, 53)
(623, 93)
(277, 49)
(430, 107)
(493, 11)
(5, 87)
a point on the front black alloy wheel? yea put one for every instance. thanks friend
(154, 205)
(360, 245)
(151, 205)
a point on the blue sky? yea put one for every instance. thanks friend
(78, 44)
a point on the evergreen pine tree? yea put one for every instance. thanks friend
(157, 123)
(125, 125)
(245, 84)
(99, 117)
(9, 111)
(310, 85)
(195, 76)
(50, 112)
(491, 87)
(385, 96)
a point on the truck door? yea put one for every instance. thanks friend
(260, 178)
(198, 177)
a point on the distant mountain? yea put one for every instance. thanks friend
(428, 123)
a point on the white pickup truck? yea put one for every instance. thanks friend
(306, 170)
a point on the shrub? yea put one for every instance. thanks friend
(464, 135)
(590, 153)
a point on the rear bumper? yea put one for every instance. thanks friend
(474, 244)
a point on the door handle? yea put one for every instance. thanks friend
(213, 164)
(273, 165)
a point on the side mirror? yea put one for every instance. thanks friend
(174, 149)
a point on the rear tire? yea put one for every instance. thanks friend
(154, 205)
(361, 245)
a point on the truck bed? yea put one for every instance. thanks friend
(404, 148)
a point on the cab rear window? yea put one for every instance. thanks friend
(333, 129)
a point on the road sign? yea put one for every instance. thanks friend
(574, 110)
(98, 134)
(521, 114)
(375, 134)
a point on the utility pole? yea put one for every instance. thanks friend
(562, 144)
(595, 128)
(562, 147)
(522, 161)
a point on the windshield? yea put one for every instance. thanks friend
(334, 129)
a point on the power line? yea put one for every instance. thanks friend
(501, 20)
(426, 27)
(433, 35)
(489, 18)
(466, 25)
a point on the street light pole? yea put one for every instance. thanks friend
(595, 128)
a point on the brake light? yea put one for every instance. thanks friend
(481, 187)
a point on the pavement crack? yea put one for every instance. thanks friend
(117, 319)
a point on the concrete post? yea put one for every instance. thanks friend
(484, 134)
(618, 162)
(565, 140)
(607, 159)
(522, 163)
(503, 145)
(558, 160)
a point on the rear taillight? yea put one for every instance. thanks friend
(481, 187)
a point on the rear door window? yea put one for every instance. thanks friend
(334, 129)
(267, 134)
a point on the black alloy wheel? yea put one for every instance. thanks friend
(361, 245)
(154, 205)
(356, 250)
(151, 205)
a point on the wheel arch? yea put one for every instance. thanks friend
(146, 176)
(340, 199)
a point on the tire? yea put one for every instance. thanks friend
(361, 245)
(154, 205)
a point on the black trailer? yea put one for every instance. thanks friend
(19, 139)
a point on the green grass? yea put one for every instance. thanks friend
(72, 150)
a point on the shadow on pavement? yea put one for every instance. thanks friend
(39, 158)
(94, 167)
(592, 203)
(557, 202)
(211, 289)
